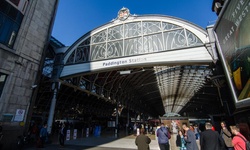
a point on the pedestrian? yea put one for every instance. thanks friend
(135, 128)
(62, 135)
(142, 141)
(180, 142)
(210, 140)
(238, 140)
(43, 135)
(163, 140)
(190, 138)
(226, 136)
(196, 131)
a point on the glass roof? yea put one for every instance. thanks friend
(155, 87)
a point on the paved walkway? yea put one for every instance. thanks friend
(104, 142)
(98, 143)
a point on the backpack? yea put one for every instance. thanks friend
(246, 141)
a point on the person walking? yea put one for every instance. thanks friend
(162, 134)
(180, 142)
(142, 141)
(190, 138)
(62, 134)
(210, 140)
(196, 131)
(43, 135)
(226, 136)
(238, 140)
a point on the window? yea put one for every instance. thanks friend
(3, 78)
(11, 16)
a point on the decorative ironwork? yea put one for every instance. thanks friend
(115, 33)
(151, 27)
(132, 29)
(133, 38)
(98, 52)
(114, 49)
(82, 54)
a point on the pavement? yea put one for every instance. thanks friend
(102, 142)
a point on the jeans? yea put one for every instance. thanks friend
(164, 146)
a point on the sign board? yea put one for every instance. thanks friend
(232, 33)
(19, 115)
(68, 135)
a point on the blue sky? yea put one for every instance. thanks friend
(74, 18)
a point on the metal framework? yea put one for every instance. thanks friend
(170, 63)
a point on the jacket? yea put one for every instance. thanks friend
(162, 133)
(211, 140)
(142, 141)
(178, 140)
(191, 141)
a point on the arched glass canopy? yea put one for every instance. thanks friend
(140, 35)
(151, 63)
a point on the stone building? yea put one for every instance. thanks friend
(25, 29)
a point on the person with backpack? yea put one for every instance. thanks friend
(163, 137)
(239, 141)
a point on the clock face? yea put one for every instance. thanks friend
(123, 14)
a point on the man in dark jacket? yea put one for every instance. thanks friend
(210, 140)
(142, 141)
(162, 134)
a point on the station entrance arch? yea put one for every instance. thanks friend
(146, 65)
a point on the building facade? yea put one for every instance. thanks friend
(25, 28)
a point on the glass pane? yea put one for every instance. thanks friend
(153, 43)
(133, 46)
(85, 42)
(3, 78)
(114, 49)
(175, 39)
(82, 54)
(151, 27)
(169, 26)
(99, 37)
(115, 33)
(132, 29)
(98, 52)
(193, 40)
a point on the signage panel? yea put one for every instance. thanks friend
(184, 56)
(233, 41)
